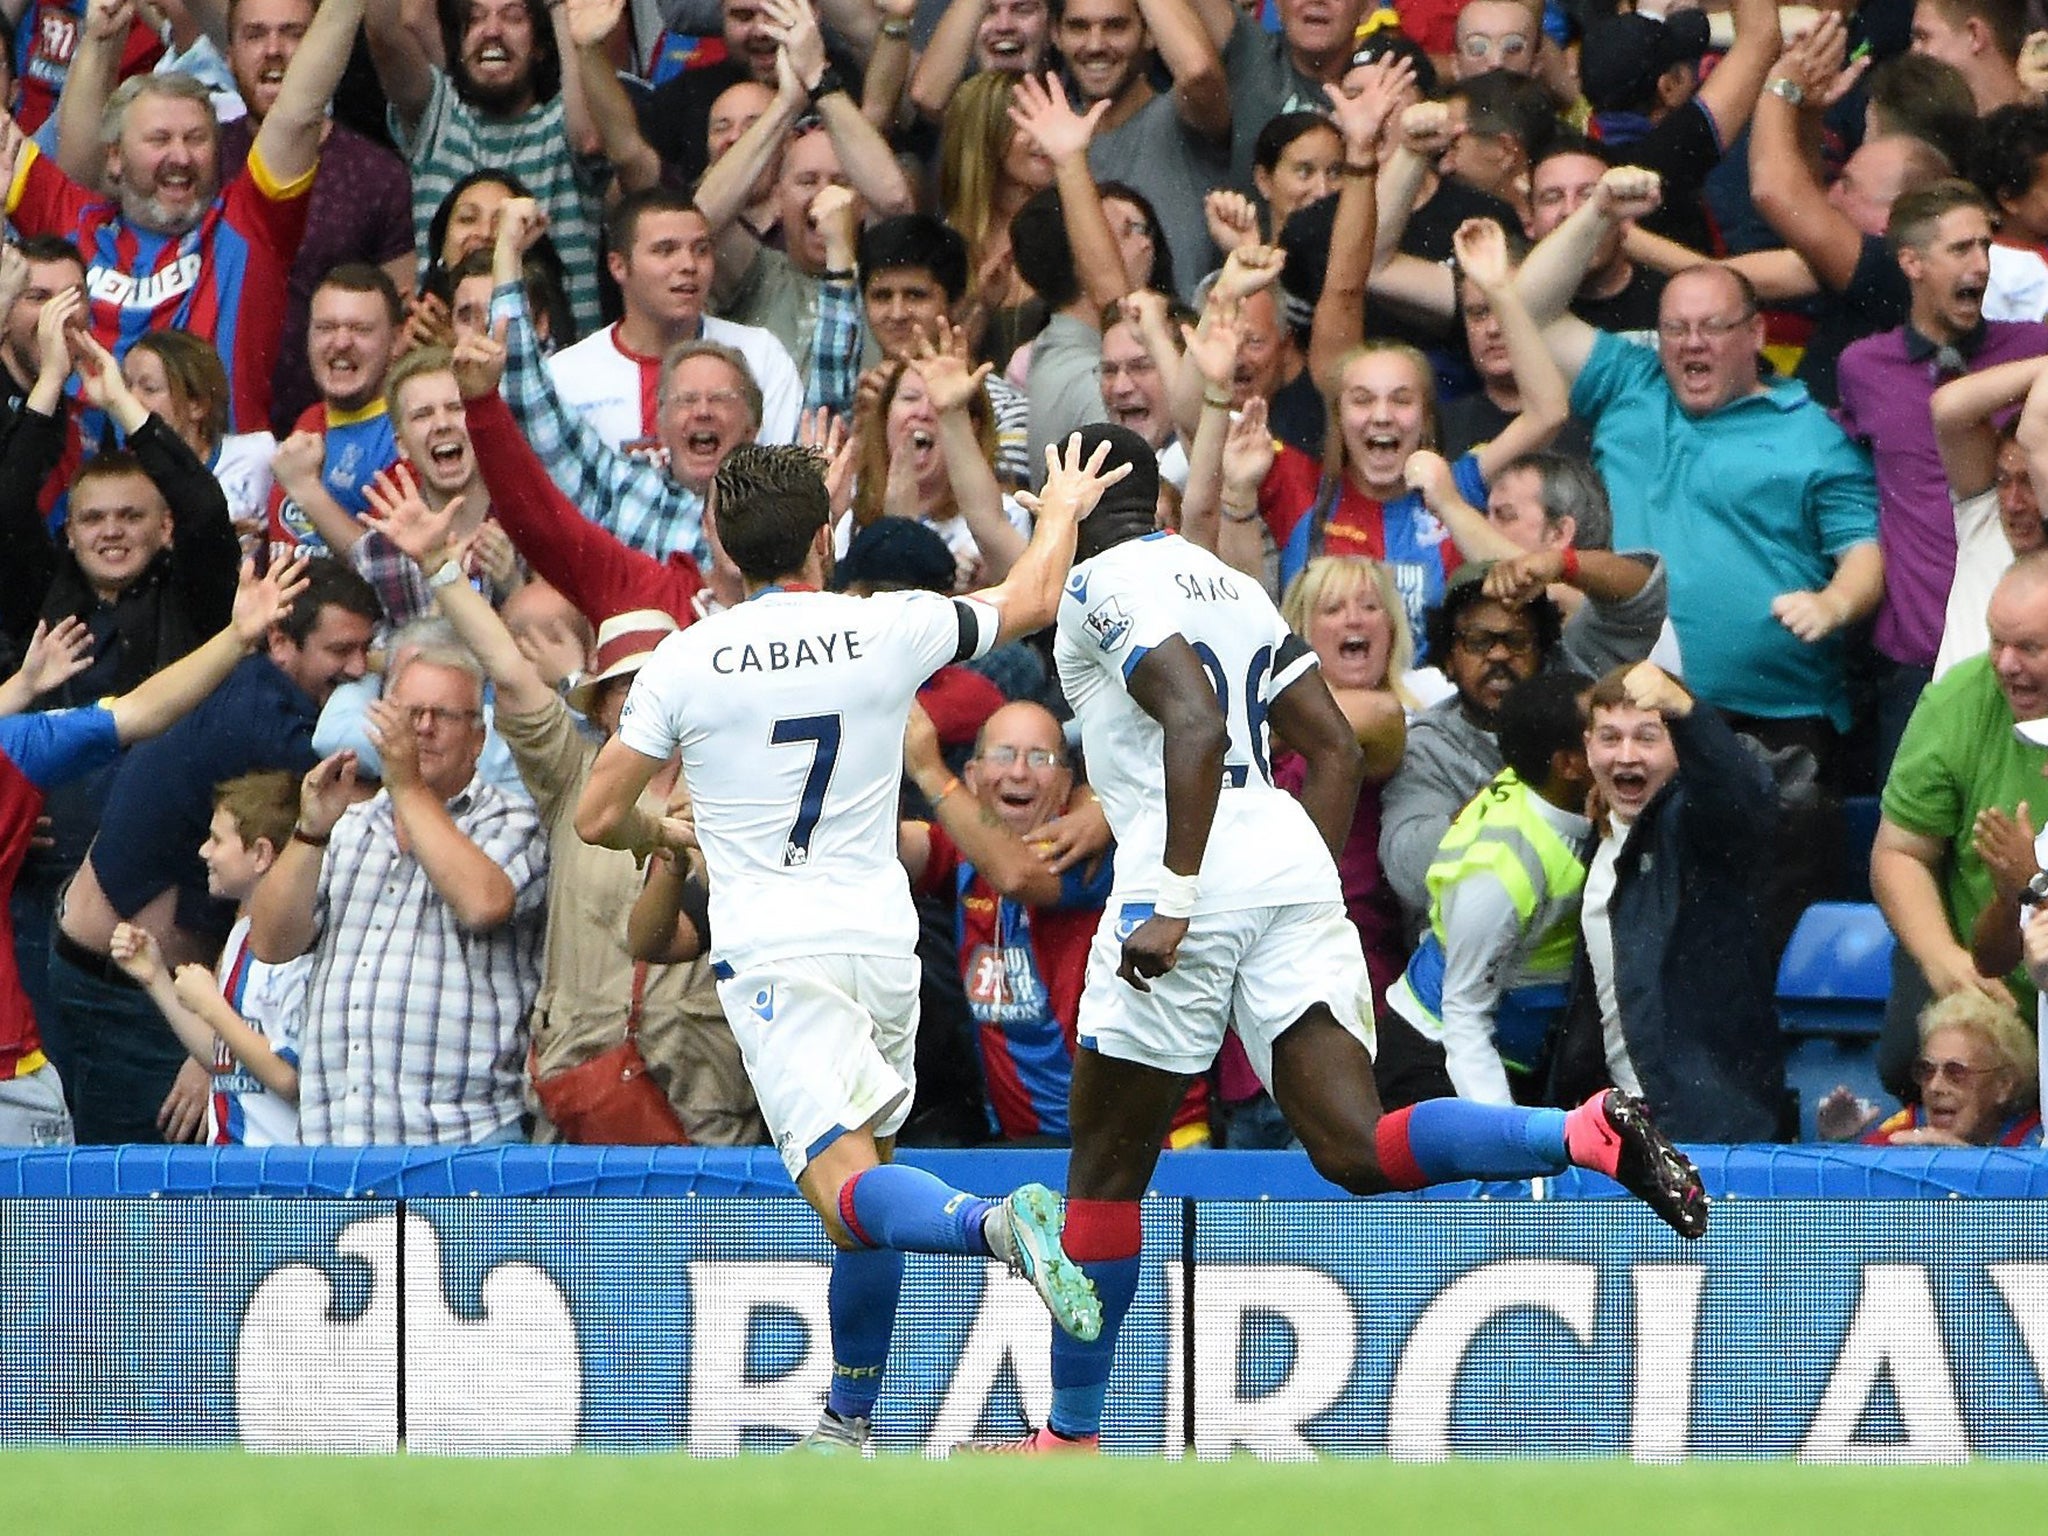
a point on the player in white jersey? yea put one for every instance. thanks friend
(789, 713)
(1226, 911)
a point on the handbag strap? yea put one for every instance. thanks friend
(640, 969)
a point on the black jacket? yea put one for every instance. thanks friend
(1693, 976)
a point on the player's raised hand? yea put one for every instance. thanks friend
(1071, 487)
(1152, 949)
(479, 362)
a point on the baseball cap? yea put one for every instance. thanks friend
(1620, 58)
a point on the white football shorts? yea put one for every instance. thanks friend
(830, 1046)
(1260, 968)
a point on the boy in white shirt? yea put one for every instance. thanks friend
(242, 1019)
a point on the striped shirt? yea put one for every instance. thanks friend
(416, 1027)
(635, 501)
(452, 139)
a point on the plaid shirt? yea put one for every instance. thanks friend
(399, 586)
(835, 356)
(633, 500)
(415, 1027)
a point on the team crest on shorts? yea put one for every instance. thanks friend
(1108, 622)
(762, 1004)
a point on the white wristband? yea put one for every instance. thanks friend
(446, 574)
(1175, 896)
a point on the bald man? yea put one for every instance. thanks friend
(1961, 775)
(1024, 928)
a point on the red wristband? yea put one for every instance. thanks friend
(1568, 561)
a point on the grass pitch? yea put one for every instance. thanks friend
(225, 1493)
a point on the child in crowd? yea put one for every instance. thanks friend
(242, 1020)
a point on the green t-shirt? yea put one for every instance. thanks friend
(1958, 756)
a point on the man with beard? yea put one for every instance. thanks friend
(1173, 147)
(1942, 238)
(501, 103)
(171, 246)
(322, 472)
(361, 208)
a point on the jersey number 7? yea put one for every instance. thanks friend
(822, 732)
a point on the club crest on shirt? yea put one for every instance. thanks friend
(1108, 623)
(1077, 586)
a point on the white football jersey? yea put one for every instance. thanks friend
(1263, 849)
(617, 391)
(789, 711)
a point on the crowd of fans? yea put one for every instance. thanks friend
(1636, 413)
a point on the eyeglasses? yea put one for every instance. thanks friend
(691, 399)
(421, 714)
(1006, 757)
(1479, 46)
(1483, 642)
(1708, 330)
(1134, 229)
(1961, 1073)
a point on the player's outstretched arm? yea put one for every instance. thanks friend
(1029, 596)
(609, 814)
(1170, 685)
(1307, 715)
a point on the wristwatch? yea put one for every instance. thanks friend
(1787, 90)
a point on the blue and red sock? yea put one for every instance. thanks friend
(1440, 1141)
(1103, 1237)
(891, 1206)
(861, 1300)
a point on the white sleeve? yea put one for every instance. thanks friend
(1110, 621)
(1480, 929)
(938, 631)
(647, 723)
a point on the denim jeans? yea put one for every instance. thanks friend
(120, 1057)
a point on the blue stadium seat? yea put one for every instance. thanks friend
(1832, 987)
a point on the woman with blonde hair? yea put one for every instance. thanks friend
(1347, 609)
(180, 377)
(1976, 1070)
(988, 169)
